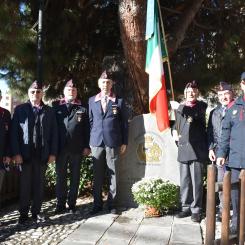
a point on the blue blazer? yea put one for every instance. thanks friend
(111, 127)
(73, 128)
(22, 132)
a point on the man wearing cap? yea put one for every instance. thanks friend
(190, 132)
(225, 97)
(73, 131)
(5, 119)
(108, 118)
(34, 143)
(232, 146)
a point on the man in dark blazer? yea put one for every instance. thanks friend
(5, 119)
(225, 96)
(108, 118)
(73, 131)
(190, 132)
(231, 148)
(34, 144)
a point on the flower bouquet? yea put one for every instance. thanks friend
(157, 195)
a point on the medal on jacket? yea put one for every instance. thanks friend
(114, 109)
(189, 119)
(79, 116)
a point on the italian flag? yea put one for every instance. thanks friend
(158, 102)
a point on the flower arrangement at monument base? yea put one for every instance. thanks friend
(157, 195)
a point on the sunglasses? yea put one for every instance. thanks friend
(35, 91)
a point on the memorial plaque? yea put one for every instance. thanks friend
(150, 153)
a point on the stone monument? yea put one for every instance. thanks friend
(150, 153)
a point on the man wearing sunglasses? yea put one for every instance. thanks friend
(5, 119)
(34, 143)
(232, 146)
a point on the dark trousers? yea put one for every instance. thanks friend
(32, 178)
(235, 172)
(2, 172)
(73, 161)
(105, 158)
(191, 186)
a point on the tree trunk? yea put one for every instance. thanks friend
(132, 15)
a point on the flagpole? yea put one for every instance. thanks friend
(169, 68)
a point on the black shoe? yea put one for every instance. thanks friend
(183, 214)
(233, 230)
(73, 210)
(196, 217)
(60, 210)
(38, 218)
(23, 219)
(96, 210)
(113, 211)
(218, 218)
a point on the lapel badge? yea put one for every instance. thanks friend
(234, 112)
(6, 127)
(189, 119)
(114, 109)
(79, 115)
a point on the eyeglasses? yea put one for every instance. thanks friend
(35, 91)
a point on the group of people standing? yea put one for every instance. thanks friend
(39, 135)
(223, 142)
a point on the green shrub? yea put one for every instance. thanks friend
(86, 175)
(156, 193)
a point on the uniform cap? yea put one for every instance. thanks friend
(35, 85)
(106, 75)
(224, 86)
(71, 84)
(243, 76)
(192, 84)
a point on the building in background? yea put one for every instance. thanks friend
(8, 101)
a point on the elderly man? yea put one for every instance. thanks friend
(225, 96)
(232, 145)
(108, 139)
(190, 132)
(34, 144)
(5, 119)
(73, 131)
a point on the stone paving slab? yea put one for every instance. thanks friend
(128, 228)
(152, 235)
(186, 234)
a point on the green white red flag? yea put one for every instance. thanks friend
(155, 54)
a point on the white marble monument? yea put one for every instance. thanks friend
(150, 153)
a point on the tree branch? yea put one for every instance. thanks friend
(182, 26)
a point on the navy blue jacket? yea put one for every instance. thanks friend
(5, 119)
(111, 127)
(215, 127)
(22, 132)
(73, 128)
(232, 143)
(191, 126)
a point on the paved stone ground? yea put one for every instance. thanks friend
(55, 229)
(130, 227)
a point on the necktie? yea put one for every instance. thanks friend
(104, 103)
